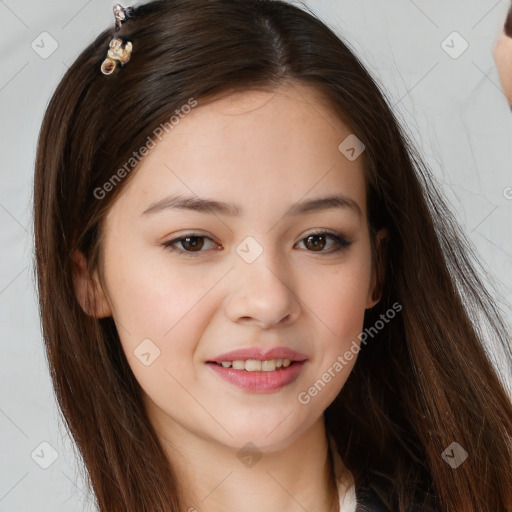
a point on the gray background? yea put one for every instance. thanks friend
(453, 108)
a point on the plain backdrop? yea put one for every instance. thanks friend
(448, 96)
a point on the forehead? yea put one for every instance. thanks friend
(300, 108)
(256, 147)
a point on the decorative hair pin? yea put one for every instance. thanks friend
(118, 53)
(121, 14)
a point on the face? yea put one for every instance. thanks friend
(273, 274)
(503, 57)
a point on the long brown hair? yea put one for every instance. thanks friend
(424, 381)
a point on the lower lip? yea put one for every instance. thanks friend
(260, 382)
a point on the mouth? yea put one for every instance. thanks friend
(255, 365)
(257, 376)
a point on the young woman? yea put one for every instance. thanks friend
(252, 295)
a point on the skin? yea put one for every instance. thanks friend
(264, 151)
(502, 54)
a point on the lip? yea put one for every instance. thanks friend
(260, 355)
(259, 382)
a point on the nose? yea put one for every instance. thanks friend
(261, 293)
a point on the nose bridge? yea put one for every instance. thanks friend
(262, 289)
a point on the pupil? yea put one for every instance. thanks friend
(316, 245)
(193, 244)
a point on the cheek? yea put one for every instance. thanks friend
(159, 311)
(342, 308)
(152, 299)
(339, 297)
(338, 305)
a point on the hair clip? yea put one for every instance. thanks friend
(121, 14)
(118, 53)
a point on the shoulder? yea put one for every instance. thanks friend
(369, 494)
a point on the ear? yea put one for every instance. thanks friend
(378, 269)
(88, 290)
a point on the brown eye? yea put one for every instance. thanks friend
(191, 244)
(316, 242)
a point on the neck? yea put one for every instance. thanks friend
(292, 477)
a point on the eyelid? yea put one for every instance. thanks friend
(168, 245)
(342, 241)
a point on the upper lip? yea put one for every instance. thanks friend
(259, 354)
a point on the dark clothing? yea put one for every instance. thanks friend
(368, 500)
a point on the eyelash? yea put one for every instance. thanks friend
(342, 242)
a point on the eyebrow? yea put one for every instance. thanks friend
(203, 205)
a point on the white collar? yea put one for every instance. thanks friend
(344, 480)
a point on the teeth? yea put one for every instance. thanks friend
(238, 365)
(253, 365)
(268, 366)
